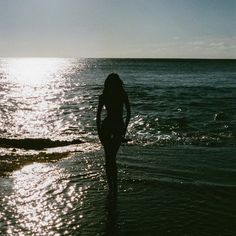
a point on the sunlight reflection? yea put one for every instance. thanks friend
(42, 97)
(42, 197)
(33, 71)
(36, 89)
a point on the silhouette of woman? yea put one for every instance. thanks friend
(112, 129)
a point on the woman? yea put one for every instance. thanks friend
(112, 130)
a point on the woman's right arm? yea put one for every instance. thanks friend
(98, 118)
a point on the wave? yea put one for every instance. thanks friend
(177, 181)
(183, 129)
(146, 139)
(35, 144)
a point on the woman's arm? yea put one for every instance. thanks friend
(98, 118)
(128, 113)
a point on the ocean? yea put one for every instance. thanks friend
(176, 175)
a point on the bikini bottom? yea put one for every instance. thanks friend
(112, 130)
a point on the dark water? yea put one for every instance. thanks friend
(176, 177)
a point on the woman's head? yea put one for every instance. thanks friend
(113, 84)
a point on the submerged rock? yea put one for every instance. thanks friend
(220, 116)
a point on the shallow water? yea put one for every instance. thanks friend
(170, 190)
(176, 177)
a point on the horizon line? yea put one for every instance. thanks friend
(136, 58)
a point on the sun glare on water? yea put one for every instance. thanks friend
(33, 71)
(34, 90)
(41, 198)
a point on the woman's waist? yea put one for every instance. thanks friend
(114, 117)
(114, 120)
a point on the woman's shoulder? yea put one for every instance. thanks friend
(120, 97)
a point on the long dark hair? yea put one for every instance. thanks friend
(113, 86)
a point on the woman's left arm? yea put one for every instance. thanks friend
(98, 118)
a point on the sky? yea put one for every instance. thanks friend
(118, 28)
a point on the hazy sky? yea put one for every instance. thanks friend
(118, 28)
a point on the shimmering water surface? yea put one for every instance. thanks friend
(176, 177)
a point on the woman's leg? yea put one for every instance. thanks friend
(108, 166)
(111, 149)
(111, 141)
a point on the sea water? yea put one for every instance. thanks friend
(177, 175)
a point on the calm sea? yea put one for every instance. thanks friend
(177, 175)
